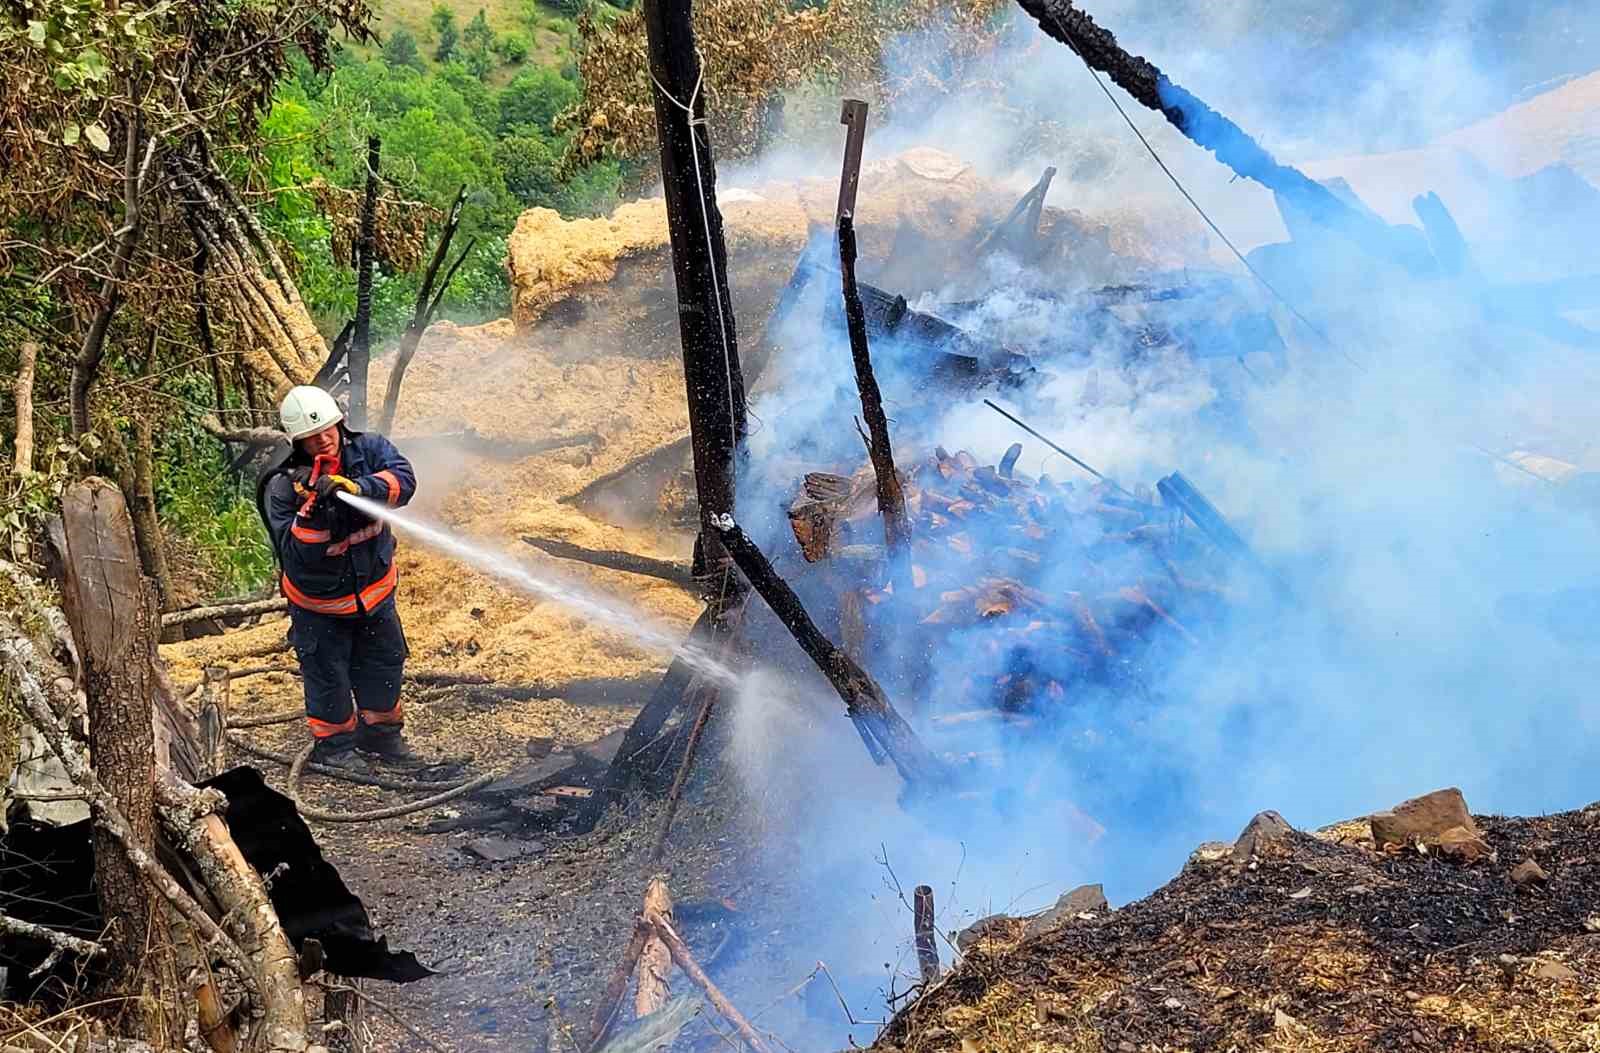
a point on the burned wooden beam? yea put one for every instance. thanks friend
(923, 926)
(891, 497)
(953, 356)
(1178, 492)
(853, 115)
(1205, 127)
(611, 559)
(712, 376)
(1021, 225)
(884, 731)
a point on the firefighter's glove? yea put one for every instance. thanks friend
(300, 479)
(327, 485)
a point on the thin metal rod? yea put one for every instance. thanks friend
(1054, 447)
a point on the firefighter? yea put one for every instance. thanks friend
(338, 575)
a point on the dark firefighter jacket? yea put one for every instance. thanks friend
(336, 560)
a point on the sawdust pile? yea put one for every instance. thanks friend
(1290, 941)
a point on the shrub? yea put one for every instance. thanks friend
(513, 47)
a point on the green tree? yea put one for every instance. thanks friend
(477, 45)
(401, 50)
(532, 100)
(513, 47)
(529, 164)
(478, 35)
(443, 21)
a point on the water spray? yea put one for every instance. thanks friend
(594, 608)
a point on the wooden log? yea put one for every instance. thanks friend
(713, 379)
(605, 1010)
(853, 115)
(257, 437)
(34, 695)
(612, 559)
(923, 925)
(719, 1001)
(227, 610)
(884, 732)
(492, 447)
(891, 498)
(114, 620)
(22, 390)
(189, 817)
(655, 960)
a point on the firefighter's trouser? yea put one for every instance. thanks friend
(352, 667)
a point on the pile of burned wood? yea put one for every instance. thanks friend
(1043, 584)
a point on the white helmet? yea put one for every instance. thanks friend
(307, 410)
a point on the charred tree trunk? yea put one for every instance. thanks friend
(1212, 131)
(883, 730)
(361, 341)
(114, 620)
(28, 354)
(422, 313)
(923, 926)
(891, 498)
(711, 370)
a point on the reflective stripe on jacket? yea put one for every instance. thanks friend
(336, 560)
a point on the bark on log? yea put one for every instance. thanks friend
(923, 924)
(114, 620)
(61, 941)
(611, 559)
(421, 314)
(712, 374)
(605, 1011)
(22, 390)
(891, 498)
(1212, 131)
(361, 341)
(248, 436)
(34, 695)
(719, 1001)
(227, 610)
(882, 729)
(655, 960)
(189, 816)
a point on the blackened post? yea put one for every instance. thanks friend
(891, 498)
(882, 729)
(711, 372)
(922, 922)
(854, 117)
(361, 343)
